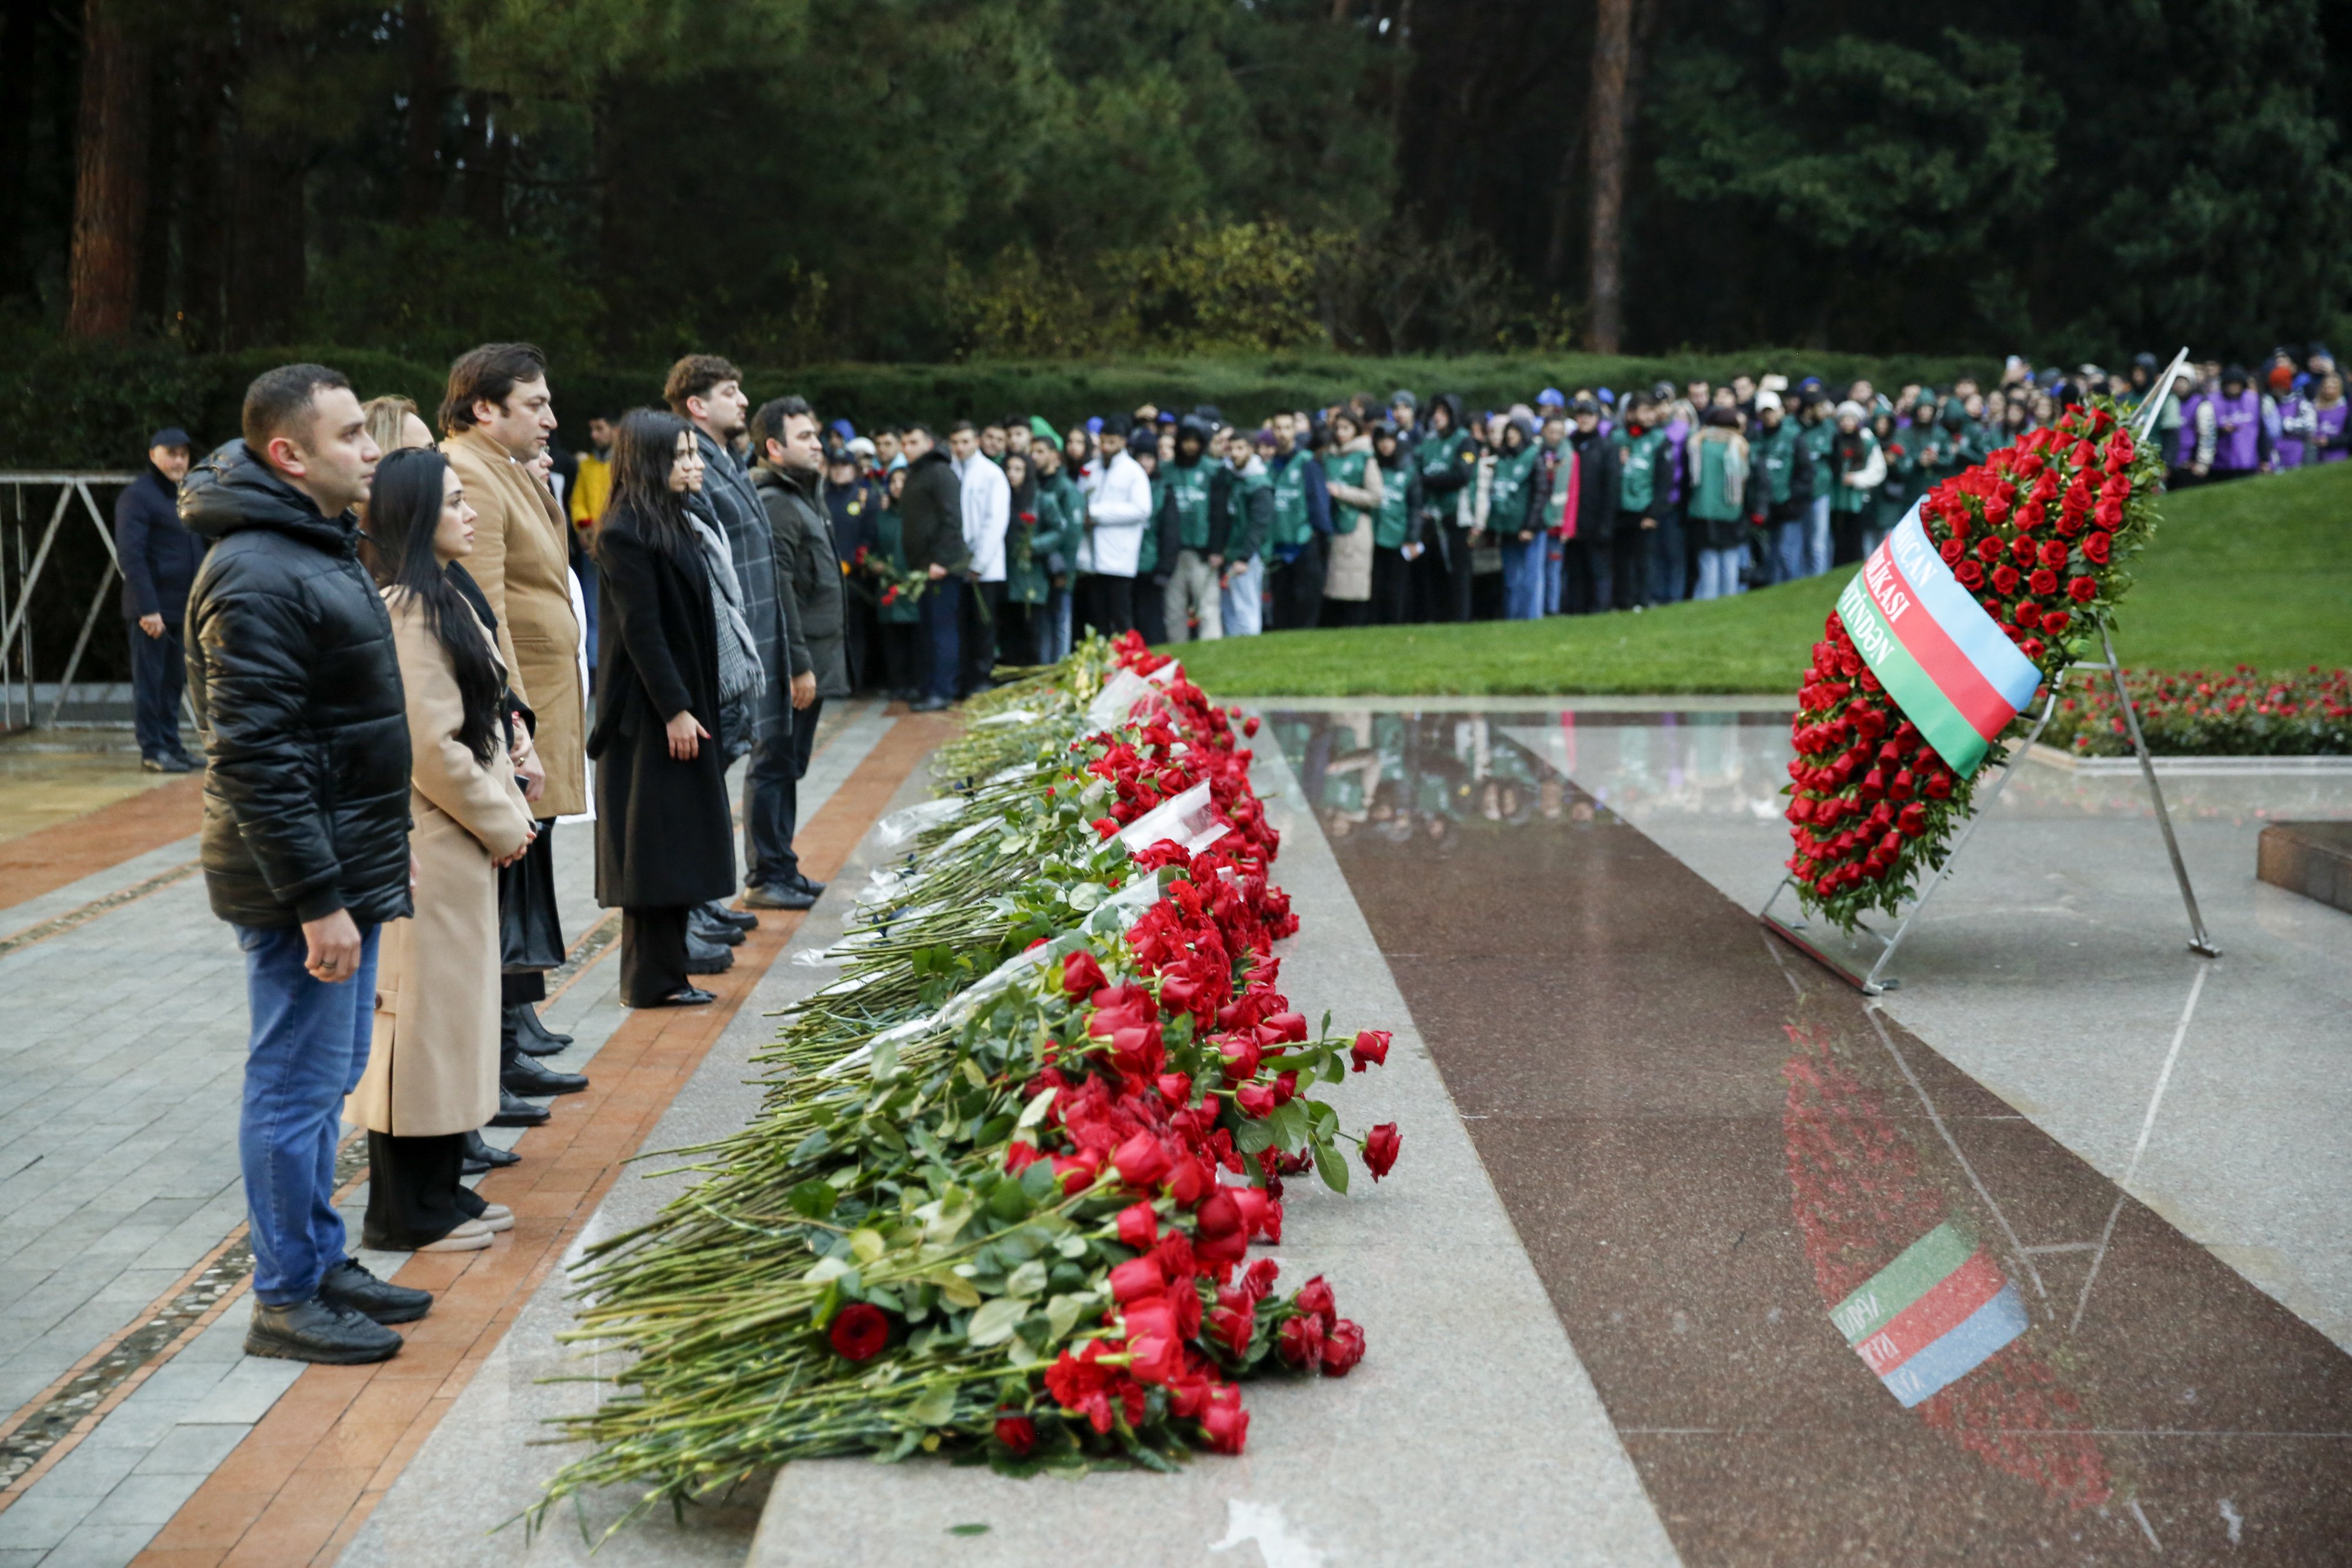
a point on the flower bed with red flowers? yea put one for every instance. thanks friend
(2201, 713)
(1001, 1199)
(2040, 533)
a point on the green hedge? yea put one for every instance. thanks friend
(92, 407)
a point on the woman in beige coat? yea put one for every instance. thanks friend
(433, 1074)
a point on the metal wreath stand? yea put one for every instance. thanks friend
(1877, 981)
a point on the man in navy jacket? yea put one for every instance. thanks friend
(159, 561)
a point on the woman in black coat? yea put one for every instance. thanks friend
(664, 838)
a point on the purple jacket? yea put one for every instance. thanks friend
(2327, 431)
(2185, 448)
(1677, 439)
(2237, 433)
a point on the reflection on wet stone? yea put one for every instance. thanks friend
(1843, 1303)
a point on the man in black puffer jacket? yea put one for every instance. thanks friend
(298, 696)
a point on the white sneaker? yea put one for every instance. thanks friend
(495, 1217)
(471, 1235)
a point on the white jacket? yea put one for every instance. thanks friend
(1118, 507)
(987, 513)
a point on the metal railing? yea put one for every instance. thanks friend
(20, 579)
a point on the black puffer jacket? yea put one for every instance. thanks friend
(296, 691)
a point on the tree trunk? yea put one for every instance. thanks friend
(486, 145)
(429, 88)
(1612, 31)
(205, 225)
(109, 195)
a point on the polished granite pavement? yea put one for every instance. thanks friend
(1709, 1145)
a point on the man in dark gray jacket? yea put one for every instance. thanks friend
(808, 574)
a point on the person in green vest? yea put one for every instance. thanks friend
(883, 565)
(1354, 481)
(1025, 584)
(1718, 485)
(1060, 513)
(1447, 461)
(1643, 453)
(1781, 493)
(1511, 497)
(1154, 556)
(1818, 429)
(1397, 531)
(1241, 503)
(1302, 523)
(1186, 520)
(1895, 492)
(1853, 472)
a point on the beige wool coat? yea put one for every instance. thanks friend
(432, 1068)
(522, 559)
(1348, 573)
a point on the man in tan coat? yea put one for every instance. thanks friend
(496, 419)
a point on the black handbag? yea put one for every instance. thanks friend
(531, 933)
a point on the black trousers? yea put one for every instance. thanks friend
(902, 659)
(1106, 604)
(1346, 612)
(1459, 600)
(1391, 587)
(159, 669)
(414, 1195)
(981, 606)
(653, 953)
(784, 862)
(1296, 586)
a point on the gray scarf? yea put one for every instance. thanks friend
(738, 656)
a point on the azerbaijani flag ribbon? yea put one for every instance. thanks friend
(1932, 1316)
(1947, 664)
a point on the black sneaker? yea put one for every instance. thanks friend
(777, 895)
(318, 1331)
(808, 884)
(717, 932)
(350, 1284)
(167, 765)
(741, 919)
(932, 704)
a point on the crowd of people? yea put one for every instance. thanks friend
(407, 644)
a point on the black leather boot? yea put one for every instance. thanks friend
(514, 1111)
(537, 1039)
(524, 1076)
(482, 1155)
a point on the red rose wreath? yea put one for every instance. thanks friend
(2039, 532)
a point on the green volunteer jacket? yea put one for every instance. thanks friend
(1638, 457)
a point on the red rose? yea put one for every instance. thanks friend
(1970, 574)
(1997, 510)
(1017, 1433)
(1141, 1160)
(2043, 580)
(1343, 1347)
(859, 1332)
(1105, 826)
(1913, 822)
(1381, 1149)
(1138, 1227)
(1256, 1100)
(1226, 1422)
(1941, 787)
(2054, 621)
(1249, 726)
(2083, 589)
(2023, 550)
(1372, 1048)
(2098, 546)
(2053, 553)
(1288, 1026)
(2004, 579)
(1299, 1341)
(2027, 615)
(1952, 551)
(1257, 1280)
(1135, 1278)
(2108, 513)
(1990, 548)
(1176, 1088)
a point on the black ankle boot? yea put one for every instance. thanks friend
(518, 1023)
(481, 1155)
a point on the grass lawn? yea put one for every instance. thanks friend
(2256, 573)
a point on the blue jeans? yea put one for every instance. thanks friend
(1789, 549)
(1554, 570)
(309, 1047)
(1668, 570)
(1718, 573)
(941, 604)
(1523, 578)
(1817, 538)
(1242, 601)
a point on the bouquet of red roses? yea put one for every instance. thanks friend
(1000, 1201)
(2038, 534)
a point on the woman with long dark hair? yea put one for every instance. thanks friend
(664, 839)
(432, 1074)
